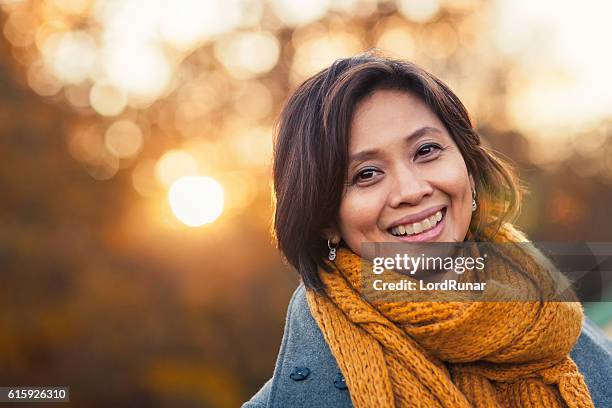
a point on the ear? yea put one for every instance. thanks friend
(472, 183)
(332, 234)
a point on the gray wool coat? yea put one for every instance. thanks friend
(307, 375)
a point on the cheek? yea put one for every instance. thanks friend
(453, 178)
(359, 213)
(455, 182)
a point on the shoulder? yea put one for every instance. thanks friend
(306, 373)
(593, 356)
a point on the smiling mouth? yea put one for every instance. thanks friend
(416, 228)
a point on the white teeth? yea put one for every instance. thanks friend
(418, 227)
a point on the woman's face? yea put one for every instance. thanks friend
(407, 180)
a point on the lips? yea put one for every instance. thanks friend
(424, 236)
(419, 222)
(417, 217)
(418, 227)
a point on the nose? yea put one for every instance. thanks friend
(409, 187)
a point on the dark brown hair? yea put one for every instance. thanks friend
(311, 154)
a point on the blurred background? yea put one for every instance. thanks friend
(136, 260)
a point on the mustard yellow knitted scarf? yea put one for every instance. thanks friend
(450, 354)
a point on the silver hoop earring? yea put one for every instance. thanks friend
(474, 205)
(332, 251)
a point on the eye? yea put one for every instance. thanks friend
(428, 150)
(365, 175)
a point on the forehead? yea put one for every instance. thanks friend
(388, 115)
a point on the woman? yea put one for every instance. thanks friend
(378, 150)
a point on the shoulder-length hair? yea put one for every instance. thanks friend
(311, 154)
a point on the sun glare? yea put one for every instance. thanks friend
(196, 200)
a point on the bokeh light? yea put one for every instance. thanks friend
(187, 23)
(17, 28)
(175, 164)
(71, 55)
(124, 139)
(196, 200)
(42, 80)
(556, 61)
(144, 180)
(217, 71)
(398, 41)
(78, 95)
(74, 7)
(252, 145)
(107, 99)
(142, 71)
(317, 48)
(248, 54)
(86, 142)
(253, 100)
(418, 10)
(295, 13)
(439, 40)
(103, 166)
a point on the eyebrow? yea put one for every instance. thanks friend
(367, 154)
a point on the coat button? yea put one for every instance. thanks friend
(299, 373)
(339, 382)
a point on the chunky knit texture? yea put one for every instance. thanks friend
(452, 354)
